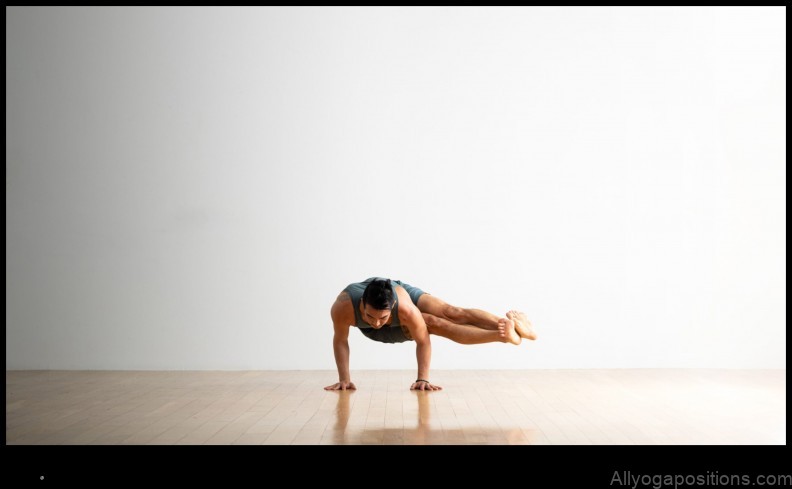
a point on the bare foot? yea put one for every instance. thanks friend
(507, 332)
(521, 324)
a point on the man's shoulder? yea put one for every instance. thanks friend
(402, 293)
(342, 308)
(406, 305)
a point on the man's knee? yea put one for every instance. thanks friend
(454, 314)
(431, 322)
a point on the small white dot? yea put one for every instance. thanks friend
(42, 477)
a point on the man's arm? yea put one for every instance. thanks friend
(412, 318)
(339, 313)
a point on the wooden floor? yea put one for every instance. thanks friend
(475, 407)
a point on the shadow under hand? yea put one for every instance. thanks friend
(405, 421)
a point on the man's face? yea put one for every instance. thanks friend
(375, 317)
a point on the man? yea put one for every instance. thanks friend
(391, 311)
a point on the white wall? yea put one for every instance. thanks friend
(190, 188)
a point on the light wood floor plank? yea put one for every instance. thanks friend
(600, 407)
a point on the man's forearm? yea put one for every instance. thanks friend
(341, 351)
(423, 352)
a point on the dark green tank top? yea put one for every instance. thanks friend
(355, 292)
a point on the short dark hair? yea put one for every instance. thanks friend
(379, 294)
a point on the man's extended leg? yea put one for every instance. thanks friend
(437, 307)
(467, 334)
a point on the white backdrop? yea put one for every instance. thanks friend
(190, 188)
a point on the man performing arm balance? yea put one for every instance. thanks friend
(390, 311)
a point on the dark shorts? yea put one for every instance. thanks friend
(414, 292)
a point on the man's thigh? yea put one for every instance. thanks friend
(433, 305)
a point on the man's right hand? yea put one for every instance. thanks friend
(341, 386)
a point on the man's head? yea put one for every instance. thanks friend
(378, 301)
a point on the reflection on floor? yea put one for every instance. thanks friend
(475, 407)
(423, 431)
